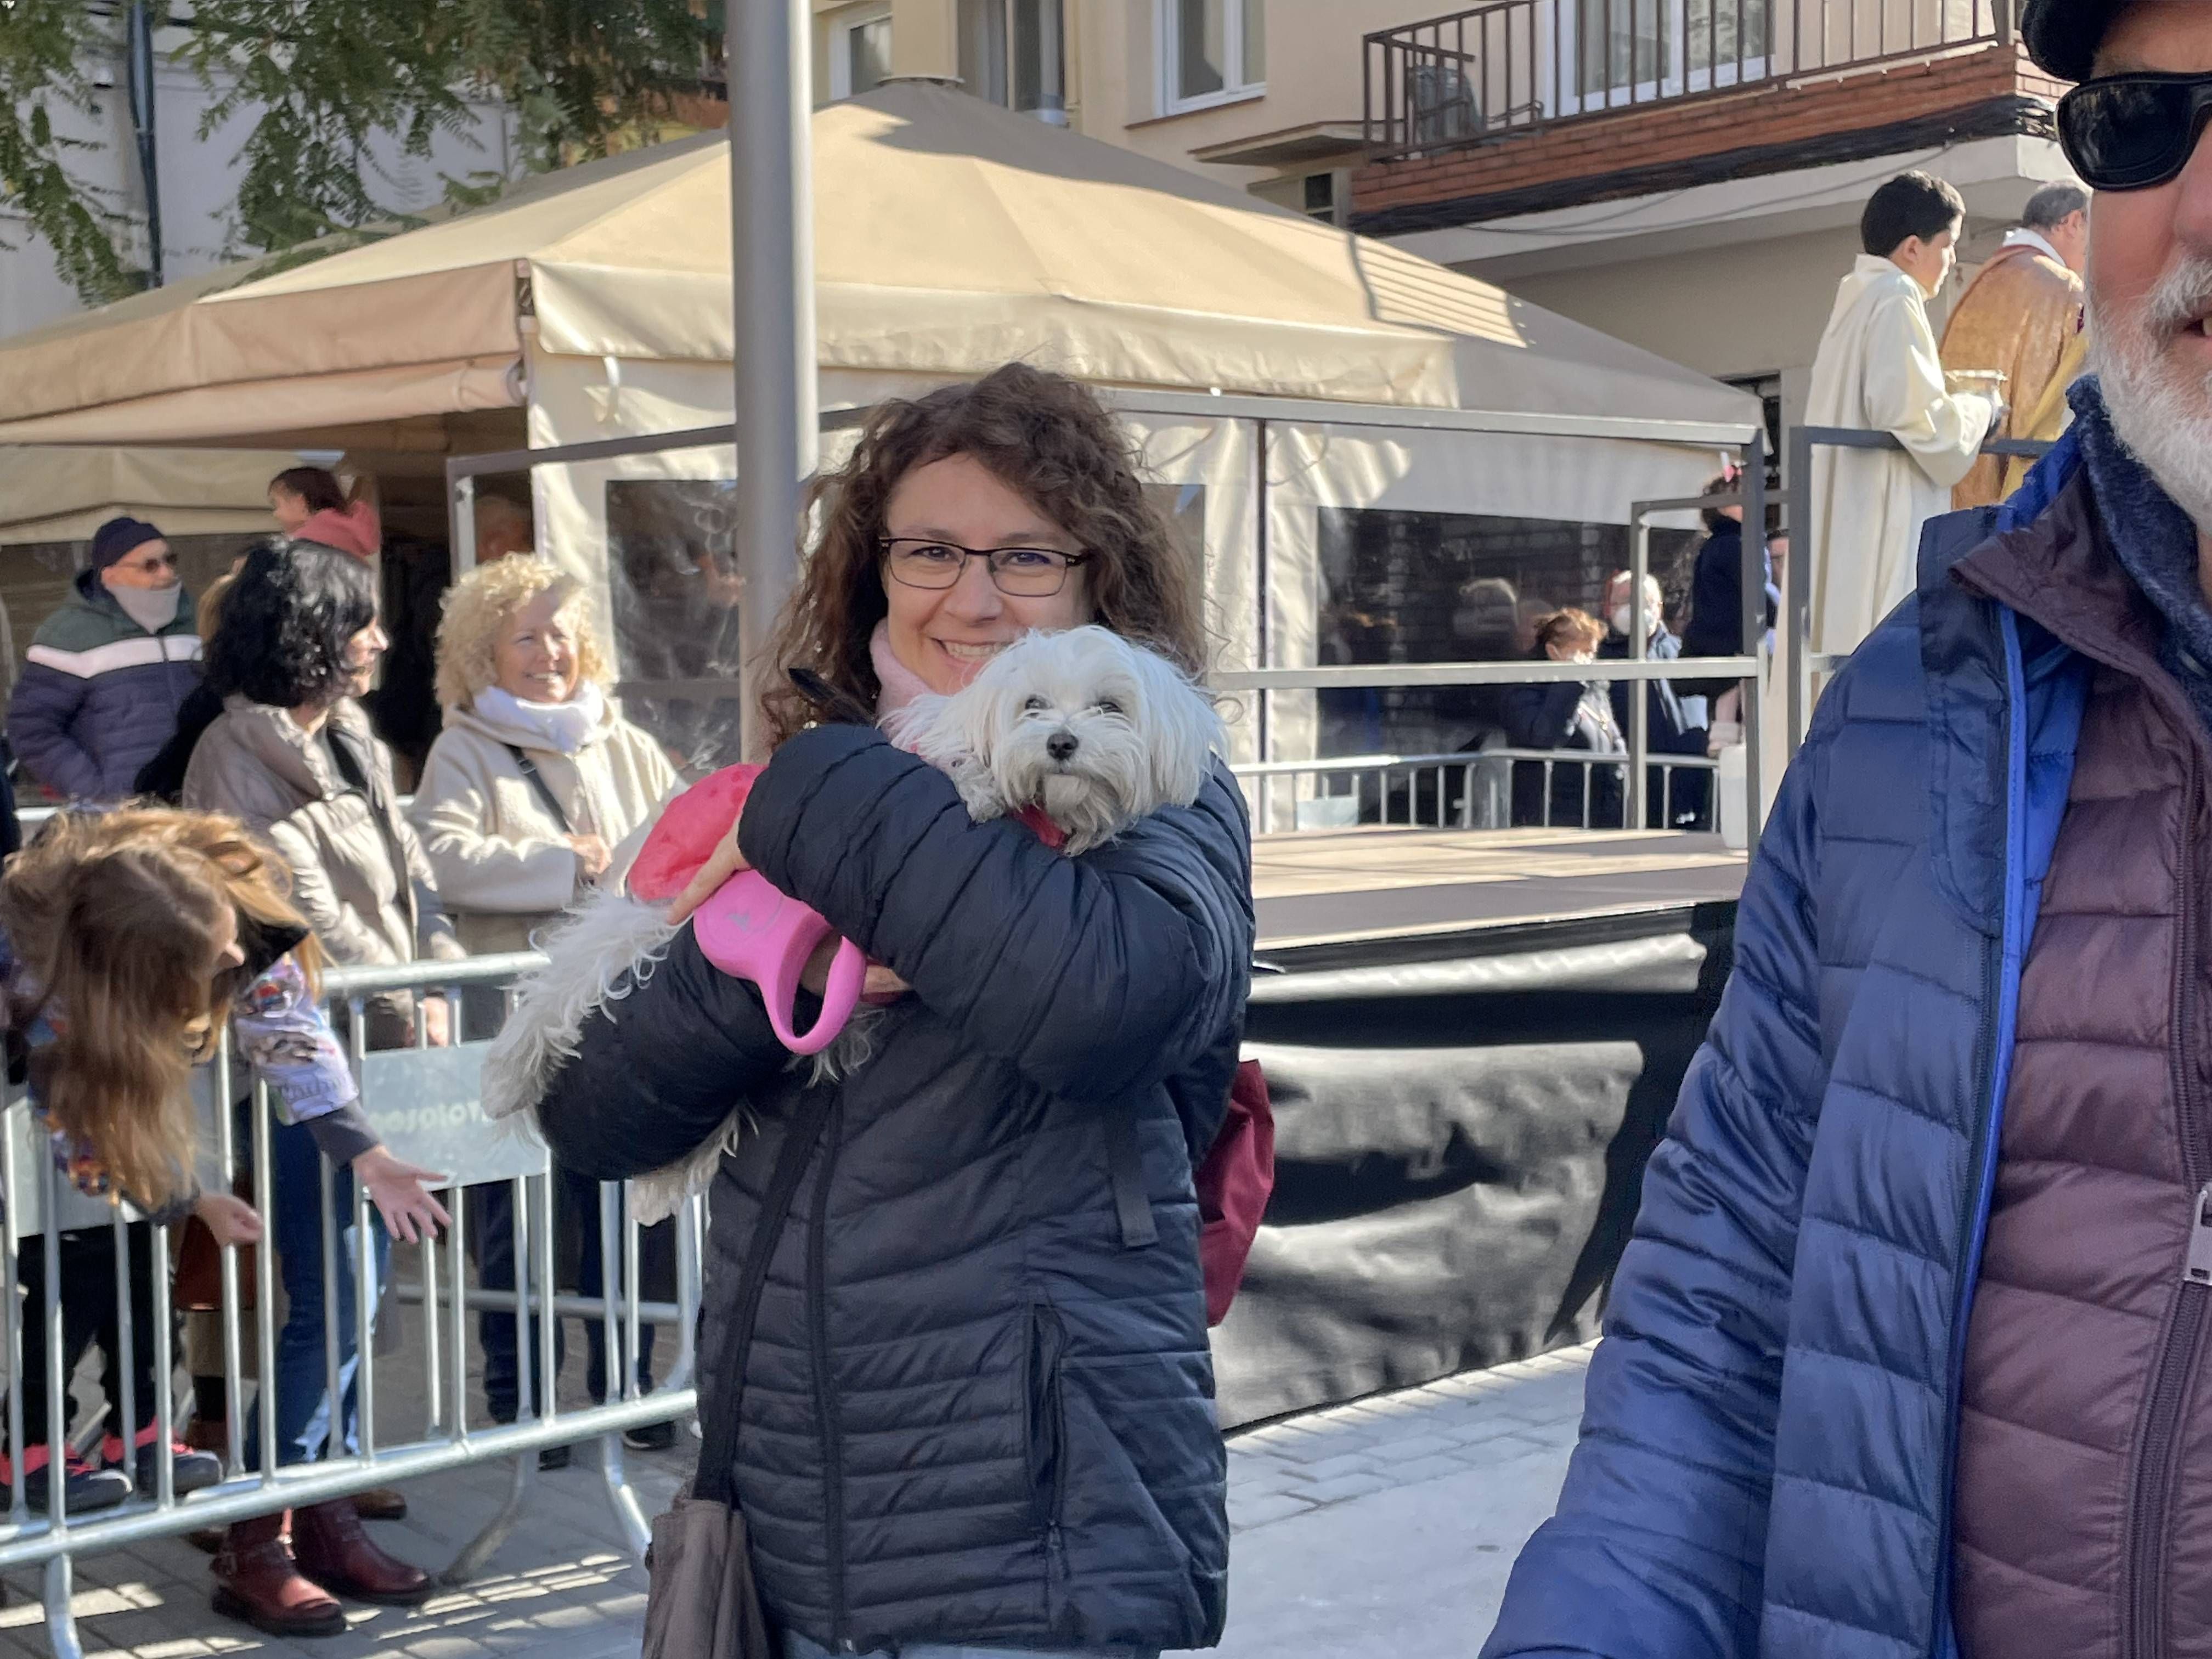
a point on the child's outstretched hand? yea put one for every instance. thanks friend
(397, 1191)
(231, 1220)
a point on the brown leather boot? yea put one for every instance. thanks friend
(256, 1581)
(380, 1504)
(334, 1550)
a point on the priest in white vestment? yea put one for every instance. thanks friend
(1879, 370)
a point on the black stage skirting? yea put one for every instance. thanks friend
(1462, 1126)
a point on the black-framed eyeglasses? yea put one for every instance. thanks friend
(156, 561)
(1021, 572)
(2132, 132)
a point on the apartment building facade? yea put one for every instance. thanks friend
(1685, 175)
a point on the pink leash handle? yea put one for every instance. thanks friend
(751, 929)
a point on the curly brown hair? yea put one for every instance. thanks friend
(1044, 436)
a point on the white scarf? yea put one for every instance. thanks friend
(564, 727)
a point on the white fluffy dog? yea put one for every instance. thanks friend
(1091, 729)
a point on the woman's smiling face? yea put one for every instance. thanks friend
(946, 635)
(534, 653)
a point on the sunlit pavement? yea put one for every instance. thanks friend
(1384, 1527)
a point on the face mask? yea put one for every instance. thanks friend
(1620, 619)
(152, 608)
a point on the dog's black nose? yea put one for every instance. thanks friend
(1061, 746)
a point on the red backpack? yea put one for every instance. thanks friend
(1233, 1185)
(1233, 1180)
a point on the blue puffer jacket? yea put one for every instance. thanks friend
(1766, 1454)
(100, 695)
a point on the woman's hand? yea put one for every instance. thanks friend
(231, 1220)
(399, 1192)
(724, 862)
(593, 855)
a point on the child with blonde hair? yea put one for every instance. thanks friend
(132, 943)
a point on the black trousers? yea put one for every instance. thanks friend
(87, 1261)
(491, 1230)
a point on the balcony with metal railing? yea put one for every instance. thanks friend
(1515, 68)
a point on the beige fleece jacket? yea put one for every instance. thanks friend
(358, 874)
(503, 860)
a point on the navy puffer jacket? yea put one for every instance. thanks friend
(100, 695)
(971, 1413)
(1770, 1421)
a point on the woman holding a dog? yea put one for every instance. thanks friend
(965, 1397)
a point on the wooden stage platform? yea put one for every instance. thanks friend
(1378, 893)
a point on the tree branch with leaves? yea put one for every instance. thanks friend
(327, 85)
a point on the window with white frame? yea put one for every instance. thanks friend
(1210, 52)
(860, 50)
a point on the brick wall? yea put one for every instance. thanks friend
(1773, 113)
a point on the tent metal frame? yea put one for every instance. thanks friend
(1263, 414)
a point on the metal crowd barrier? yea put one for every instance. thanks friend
(1797, 610)
(425, 1103)
(1368, 789)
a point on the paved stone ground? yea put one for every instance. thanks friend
(1382, 1529)
(1385, 1529)
(562, 1586)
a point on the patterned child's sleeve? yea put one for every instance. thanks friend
(284, 1037)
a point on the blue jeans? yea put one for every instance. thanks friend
(796, 1646)
(303, 1394)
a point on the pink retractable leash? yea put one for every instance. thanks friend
(751, 929)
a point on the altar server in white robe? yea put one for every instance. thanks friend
(1878, 368)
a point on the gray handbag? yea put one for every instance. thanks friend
(703, 1603)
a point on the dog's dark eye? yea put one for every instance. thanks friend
(1033, 705)
(1108, 706)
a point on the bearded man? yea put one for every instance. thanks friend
(1910, 1352)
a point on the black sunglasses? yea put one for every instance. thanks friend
(2131, 132)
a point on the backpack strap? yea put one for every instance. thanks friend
(535, 778)
(1126, 1167)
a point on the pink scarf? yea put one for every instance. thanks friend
(899, 685)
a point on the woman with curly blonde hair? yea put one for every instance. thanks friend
(533, 783)
(536, 777)
(132, 943)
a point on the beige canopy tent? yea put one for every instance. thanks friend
(57, 493)
(951, 236)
